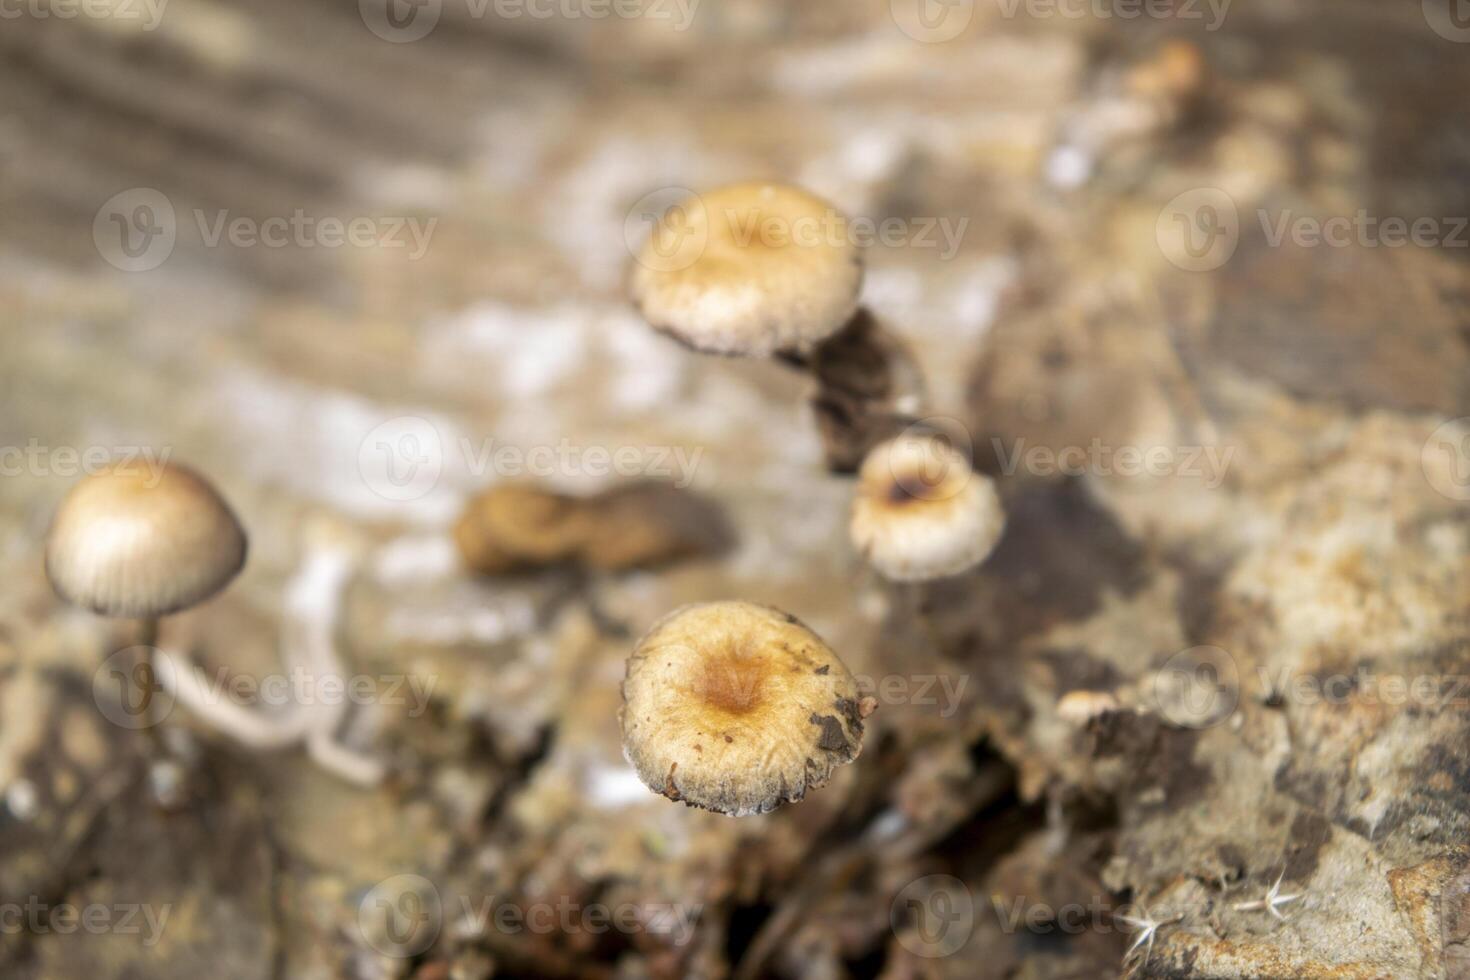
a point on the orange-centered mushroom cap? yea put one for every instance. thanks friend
(738, 708)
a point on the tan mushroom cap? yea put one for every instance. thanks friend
(749, 269)
(738, 708)
(921, 512)
(517, 525)
(141, 542)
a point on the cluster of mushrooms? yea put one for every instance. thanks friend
(740, 708)
(728, 706)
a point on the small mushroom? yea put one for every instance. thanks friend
(517, 527)
(514, 526)
(750, 269)
(738, 708)
(921, 512)
(130, 542)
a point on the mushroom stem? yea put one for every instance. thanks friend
(253, 728)
(312, 609)
(146, 667)
(348, 764)
(918, 610)
(869, 389)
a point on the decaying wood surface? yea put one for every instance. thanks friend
(1278, 608)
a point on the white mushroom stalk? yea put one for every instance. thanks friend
(312, 612)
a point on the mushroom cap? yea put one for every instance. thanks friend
(749, 269)
(921, 512)
(517, 525)
(131, 541)
(738, 708)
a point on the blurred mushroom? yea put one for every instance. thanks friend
(749, 269)
(921, 512)
(648, 523)
(738, 708)
(136, 543)
(133, 543)
(141, 543)
(514, 527)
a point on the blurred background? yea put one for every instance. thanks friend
(359, 261)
